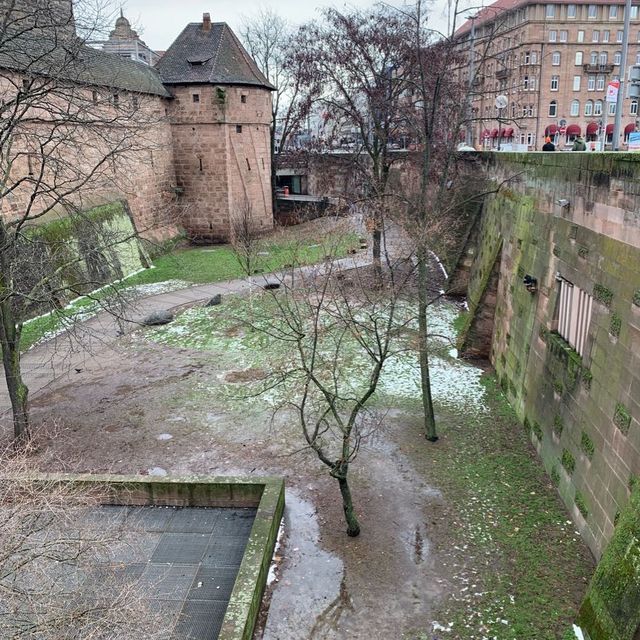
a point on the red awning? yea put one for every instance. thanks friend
(609, 129)
(630, 128)
(551, 130)
(508, 133)
(486, 133)
(502, 133)
(494, 133)
(592, 128)
(573, 130)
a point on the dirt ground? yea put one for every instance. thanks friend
(446, 551)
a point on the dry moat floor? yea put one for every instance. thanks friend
(465, 538)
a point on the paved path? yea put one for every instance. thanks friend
(68, 352)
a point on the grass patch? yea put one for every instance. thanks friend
(510, 535)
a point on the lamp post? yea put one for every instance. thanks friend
(623, 73)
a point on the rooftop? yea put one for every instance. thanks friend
(209, 53)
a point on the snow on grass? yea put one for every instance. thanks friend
(155, 288)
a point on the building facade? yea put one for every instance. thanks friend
(126, 42)
(553, 62)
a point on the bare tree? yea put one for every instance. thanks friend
(73, 130)
(335, 324)
(55, 580)
(356, 60)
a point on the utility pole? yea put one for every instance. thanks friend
(623, 73)
(472, 71)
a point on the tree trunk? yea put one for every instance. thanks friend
(377, 252)
(18, 391)
(423, 351)
(353, 527)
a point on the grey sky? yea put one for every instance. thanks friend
(160, 21)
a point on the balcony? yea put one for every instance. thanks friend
(598, 68)
(502, 74)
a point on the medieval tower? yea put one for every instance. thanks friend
(220, 116)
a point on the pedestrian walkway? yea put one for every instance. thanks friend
(68, 353)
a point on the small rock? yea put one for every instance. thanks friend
(164, 436)
(271, 285)
(157, 471)
(215, 301)
(158, 318)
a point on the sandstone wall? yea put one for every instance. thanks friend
(95, 146)
(222, 156)
(583, 412)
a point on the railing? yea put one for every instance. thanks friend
(597, 68)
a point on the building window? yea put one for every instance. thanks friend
(571, 11)
(551, 11)
(238, 128)
(553, 35)
(605, 35)
(613, 11)
(619, 35)
(574, 314)
(135, 103)
(578, 58)
(555, 58)
(638, 58)
(576, 84)
(563, 36)
(597, 108)
(116, 99)
(575, 107)
(531, 111)
(243, 99)
(604, 58)
(94, 97)
(588, 108)
(600, 83)
(525, 83)
(195, 97)
(527, 57)
(633, 109)
(634, 12)
(595, 36)
(529, 138)
(592, 11)
(534, 57)
(593, 59)
(553, 109)
(580, 36)
(554, 82)
(612, 108)
(617, 57)
(591, 83)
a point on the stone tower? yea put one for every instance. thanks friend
(220, 117)
(126, 42)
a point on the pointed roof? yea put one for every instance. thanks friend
(209, 56)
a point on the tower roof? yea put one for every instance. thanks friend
(209, 53)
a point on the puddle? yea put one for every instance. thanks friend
(311, 583)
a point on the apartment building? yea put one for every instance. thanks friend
(553, 61)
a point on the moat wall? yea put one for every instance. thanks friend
(583, 412)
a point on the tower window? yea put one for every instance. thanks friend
(196, 97)
(238, 128)
(243, 99)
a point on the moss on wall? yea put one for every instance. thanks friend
(611, 609)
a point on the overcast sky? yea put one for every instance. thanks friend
(160, 21)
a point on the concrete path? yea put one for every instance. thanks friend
(68, 353)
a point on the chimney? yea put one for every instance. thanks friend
(206, 22)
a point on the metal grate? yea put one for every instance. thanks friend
(181, 548)
(194, 521)
(166, 581)
(151, 519)
(200, 620)
(213, 584)
(224, 552)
